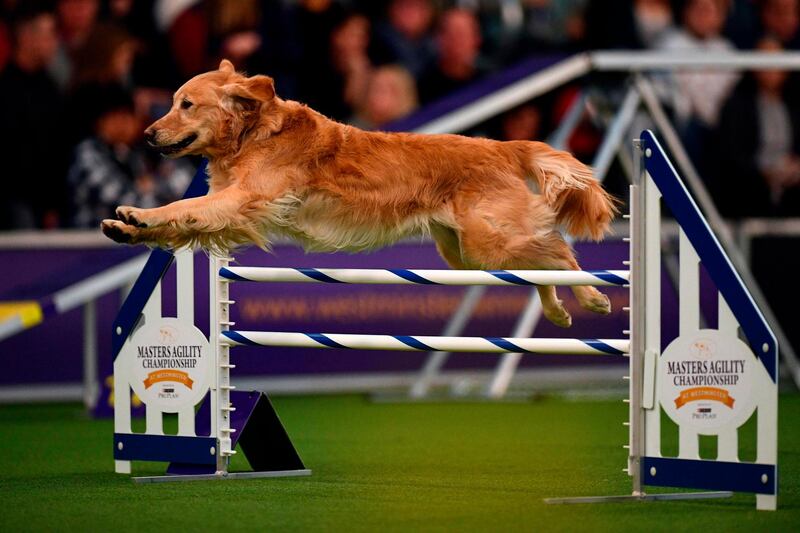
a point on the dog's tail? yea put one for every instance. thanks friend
(569, 187)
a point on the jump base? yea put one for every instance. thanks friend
(221, 476)
(639, 497)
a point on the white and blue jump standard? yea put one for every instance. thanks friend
(172, 367)
(707, 381)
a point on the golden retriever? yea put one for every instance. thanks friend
(277, 167)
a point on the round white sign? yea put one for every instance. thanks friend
(706, 380)
(171, 363)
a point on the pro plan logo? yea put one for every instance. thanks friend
(170, 363)
(702, 348)
(167, 335)
(705, 381)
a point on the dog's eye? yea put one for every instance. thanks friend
(186, 104)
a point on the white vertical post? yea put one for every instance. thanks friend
(185, 285)
(644, 421)
(689, 322)
(635, 301)
(651, 264)
(154, 418)
(122, 410)
(185, 310)
(728, 438)
(767, 431)
(220, 391)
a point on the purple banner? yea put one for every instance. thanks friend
(52, 352)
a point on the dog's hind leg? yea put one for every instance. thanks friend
(448, 246)
(517, 232)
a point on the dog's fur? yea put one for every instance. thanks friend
(276, 166)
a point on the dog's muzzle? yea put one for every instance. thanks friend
(171, 148)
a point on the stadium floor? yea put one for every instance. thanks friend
(377, 466)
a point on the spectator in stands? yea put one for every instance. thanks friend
(211, 30)
(234, 35)
(458, 38)
(697, 96)
(105, 59)
(336, 88)
(153, 68)
(391, 95)
(554, 25)
(187, 33)
(5, 35)
(742, 26)
(758, 146)
(76, 19)
(31, 145)
(652, 19)
(315, 21)
(404, 37)
(627, 24)
(523, 123)
(781, 20)
(110, 168)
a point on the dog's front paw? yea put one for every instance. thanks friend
(131, 216)
(118, 231)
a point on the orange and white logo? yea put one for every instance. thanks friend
(705, 381)
(159, 376)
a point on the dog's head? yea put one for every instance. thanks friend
(211, 112)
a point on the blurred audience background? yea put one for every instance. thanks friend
(80, 80)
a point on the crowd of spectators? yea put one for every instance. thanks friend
(80, 79)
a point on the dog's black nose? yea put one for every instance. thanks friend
(150, 136)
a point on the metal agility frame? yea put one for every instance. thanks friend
(739, 357)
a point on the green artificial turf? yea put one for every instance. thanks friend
(457, 466)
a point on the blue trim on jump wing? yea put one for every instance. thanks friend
(169, 448)
(155, 268)
(710, 475)
(315, 274)
(128, 315)
(711, 253)
(411, 276)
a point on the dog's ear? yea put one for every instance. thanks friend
(250, 92)
(226, 67)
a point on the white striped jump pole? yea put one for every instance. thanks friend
(428, 343)
(402, 276)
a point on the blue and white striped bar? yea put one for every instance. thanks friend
(402, 276)
(428, 343)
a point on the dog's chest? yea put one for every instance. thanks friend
(322, 223)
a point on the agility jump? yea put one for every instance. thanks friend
(708, 381)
